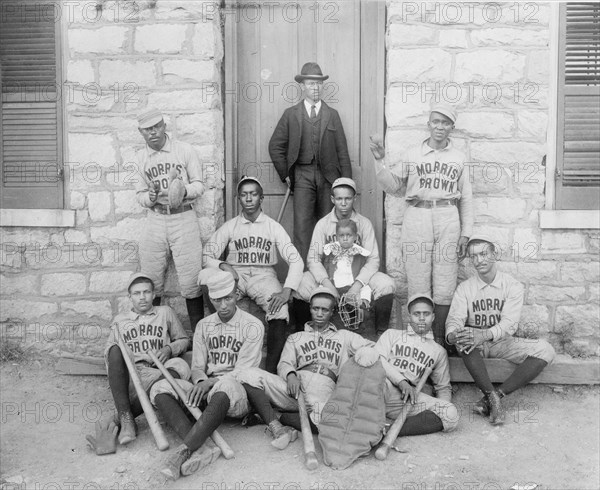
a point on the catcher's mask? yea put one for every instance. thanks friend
(350, 311)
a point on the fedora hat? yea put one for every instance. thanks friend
(312, 71)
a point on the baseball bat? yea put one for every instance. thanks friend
(283, 205)
(157, 432)
(382, 451)
(195, 411)
(307, 437)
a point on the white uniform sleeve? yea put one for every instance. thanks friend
(383, 348)
(142, 184)
(251, 352)
(459, 312)
(465, 204)
(216, 245)
(290, 254)
(315, 253)
(441, 377)
(195, 187)
(356, 341)
(288, 361)
(389, 181)
(199, 356)
(511, 313)
(179, 339)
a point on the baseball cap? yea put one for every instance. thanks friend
(445, 109)
(481, 237)
(138, 275)
(248, 178)
(321, 290)
(149, 118)
(220, 283)
(343, 181)
(419, 296)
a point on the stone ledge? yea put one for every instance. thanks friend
(47, 218)
(570, 219)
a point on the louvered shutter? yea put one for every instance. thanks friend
(31, 109)
(578, 162)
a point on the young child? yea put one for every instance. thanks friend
(144, 327)
(405, 355)
(344, 258)
(310, 362)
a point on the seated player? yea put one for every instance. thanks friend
(252, 241)
(225, 343)
(310, 362)
(144, 327)
(405, 355)
(483, 318)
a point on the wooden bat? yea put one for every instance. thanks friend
(307, 437)
(157, 432)
(285, 200)
(382, 451)
(195, 411)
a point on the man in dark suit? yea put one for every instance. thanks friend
(309, 151)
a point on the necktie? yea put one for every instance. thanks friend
(313, 112)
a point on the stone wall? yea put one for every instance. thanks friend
(61, 286)
(492, 61)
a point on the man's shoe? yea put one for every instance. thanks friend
(282, 435)
(172, 468)
(128, 430)
(252, 419)
(497, 411)
(482, 407)
(200, 458)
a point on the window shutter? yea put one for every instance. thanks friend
(31, 109)
(578, 169)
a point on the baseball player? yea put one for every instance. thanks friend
(343, 194)
(144, 327)
(252, 241)
(405, 355)
(311, 361)
(225, 343)
(170, 182)
(483, 318)
(439, 216)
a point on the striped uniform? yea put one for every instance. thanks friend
(178, 233)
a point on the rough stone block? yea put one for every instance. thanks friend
(487, 124)
(109, 282)
(85, 308)
(142, 73)
(205, 127)
(534, 322)
(538, 70)
(183, 100)
(185, 10)
(76, 237)
(454, 38)
(551, 294)
(105, 40)
(178, 71)
(579, 272)
(126, 203)
(127, 229)
(80, 72)
(419, 65)
(502, 36)
(205, 41)
(499, 209)
(489, 66)
(99, 205)
(87, 151)
(594, 293)
(584, 320)
(526, 244)
(507, 153)
(77, 200)
(63, 284)
(409, 35)
(406, 105)
(160, 38)
(544, 270)
(17, 309)
(18, 284)
(558, 242)
(532, 124)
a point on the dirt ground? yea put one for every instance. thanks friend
(551, 438)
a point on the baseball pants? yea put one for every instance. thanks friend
(317, 389)
(381, 285)
(446, 411)
(180, 235)
(429, 238)
(516, 349)
(259, 284)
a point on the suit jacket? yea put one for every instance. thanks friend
(284, 146)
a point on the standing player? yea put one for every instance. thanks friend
(225, 343)
(310, 362)
(343, 194)
(406, 354)
(309, 151)
(483, 318)
(439, 217)
(252, 241)
(144, 327)
(171, 224)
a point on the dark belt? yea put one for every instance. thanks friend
(163, 209)
(436, 203)
(320, 369)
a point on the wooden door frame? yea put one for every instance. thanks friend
(372, 110)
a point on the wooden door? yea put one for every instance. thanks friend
(266, 46)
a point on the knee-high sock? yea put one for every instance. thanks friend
(439, 323)
(383, 311)
(260, 401)
(292, 419)
(476, 367)
(526, 371)
(195, 309)
(212, 417)
(174, 414)
(276, 336)
(156, 301)
(118, 380)
(425, 422)
(301, 314)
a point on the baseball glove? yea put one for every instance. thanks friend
(176, 190)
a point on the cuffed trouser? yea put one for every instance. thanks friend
(380, 283)
(259, 286)
(429, 238)
(445, 410)
(180, 235)
(515, 349)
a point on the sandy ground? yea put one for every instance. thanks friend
(551, 438)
